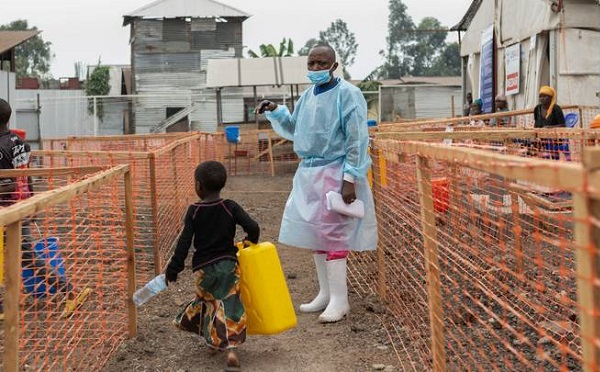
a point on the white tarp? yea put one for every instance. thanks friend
(537, 69)
(520, 19)
(579, 52)
(573, 56)
(578, 67)
(473, 75)
(578, 90)
(517, 20)
(277, 71)
(471, 40)
(582, 14)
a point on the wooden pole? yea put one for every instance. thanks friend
(154, 204)
(382, 168)
(455, 195)
(432, 267)
(266, 151)
(11, 297)
(129, 229)
(587, 244)
(255, 104)
(178, 198)
(517, 231)
(381, 267)
(217, 141)
(271, 161)
(200, 149)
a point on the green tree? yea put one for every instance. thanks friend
(286, 49)
(32, 58)
(428, 46)
(343, 41)
(448, 62)
(397, 61)
(98, 85)
(310, 43)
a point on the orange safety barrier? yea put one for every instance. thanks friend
(504, 277)
(257, 152)
(556, 144)
(162, 171)
(440, 194)
(69, 269)
(162, 187)
(576, 117)
(487, 256)
(137, 142)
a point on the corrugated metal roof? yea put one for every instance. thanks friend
(468, 17)
(11, 39)
(184, 8)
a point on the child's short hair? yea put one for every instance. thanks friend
(212, 175)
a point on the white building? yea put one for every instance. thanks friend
(531, 43)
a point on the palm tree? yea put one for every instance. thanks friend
(286, 49)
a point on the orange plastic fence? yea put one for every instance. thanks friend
(162, 171)
(162, 187)
(556, 144)
(580, 116)
(138, 142)
(257, 152)
(82, 234)
(486, 261)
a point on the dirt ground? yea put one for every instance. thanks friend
(358, 343)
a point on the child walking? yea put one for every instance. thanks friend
(217, 313)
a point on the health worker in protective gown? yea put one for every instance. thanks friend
(329, 131)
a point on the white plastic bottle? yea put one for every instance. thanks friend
(153, 287)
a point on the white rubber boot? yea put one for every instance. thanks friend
(338, 305)
(322, 299)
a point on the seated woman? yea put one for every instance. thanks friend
(501, 106)
(547, 114)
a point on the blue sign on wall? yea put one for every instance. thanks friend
(486, 70)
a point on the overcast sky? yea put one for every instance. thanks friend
(85, 30)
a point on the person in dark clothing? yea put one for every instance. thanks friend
(547, 113)
(467, 105)
(15, 154)
(217, 313)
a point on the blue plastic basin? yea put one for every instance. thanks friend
(46, 251)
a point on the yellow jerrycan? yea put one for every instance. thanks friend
(264, 291)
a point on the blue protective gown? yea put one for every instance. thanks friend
(330, 135)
